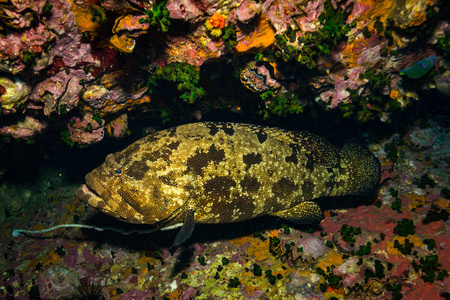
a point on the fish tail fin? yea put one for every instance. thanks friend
(360, 169)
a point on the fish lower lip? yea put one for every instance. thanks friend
(84, 193)
(93, 188)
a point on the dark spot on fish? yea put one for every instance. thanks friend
(163, 153)
(262, 137)
(308, 189)
(151, 138)
(172, 131)
(212, 129)
(168, 179)
(219, 187)
(283, 188)
(150, 156)
(329, 185)
(242, 207)
(293, 157)
(309, 162)
(127, 152)
(137, 170)
(250, 184)
(173, 146)
(201, 159)
(228, 129)
(251, 159)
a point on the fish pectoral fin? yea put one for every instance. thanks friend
(304, 213)
(186, 230)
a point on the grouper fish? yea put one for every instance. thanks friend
(226, 172)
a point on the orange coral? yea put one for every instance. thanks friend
(217, 21)
(262, 37)
(215, 24)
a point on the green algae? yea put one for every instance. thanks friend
(435, 215)
(443, 42)
(379, 272)
(373, 105)
(280, 104)
(363, 250)
(334, 29)
(405, 248)
(397, 205)
(431, 244)
(348, 233)
(229, 36)
(424, 181)
(98, 14)
(430, 268)
(183, 75)
(257, 270)
(404, 227)
(158, 16)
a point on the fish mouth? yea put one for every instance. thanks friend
(93, 192)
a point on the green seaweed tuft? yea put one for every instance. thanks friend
(158, 16)
(184, 75)
(404, 227)
(334, 29)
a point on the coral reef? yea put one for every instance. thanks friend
(346, 56)
(87, 130)
(13, 93)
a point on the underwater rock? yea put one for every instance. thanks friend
(54, 33)
(351, 239)
(57, 282)
(410, 13)
(2, 213)
(126, 29)
(13, 93)
(110, 96)
(184, 10)
(21, 50)
(73, 51)
(246, 11)
(443, 82)
(192, 50)
(301, 15)
(118, 126)
(354, 272)
(298, 247)
(423, 138)
(61, 92)
(20, 14)
(14, 199)
(23, 129)
(87, 130)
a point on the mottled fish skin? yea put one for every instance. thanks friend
(227, 172)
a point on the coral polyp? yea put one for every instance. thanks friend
(215, 24)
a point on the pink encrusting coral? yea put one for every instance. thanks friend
(87, 130)
(59, 93)
(23, 129)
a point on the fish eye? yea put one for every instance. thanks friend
(118, 172)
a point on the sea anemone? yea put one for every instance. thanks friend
(215, 24)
